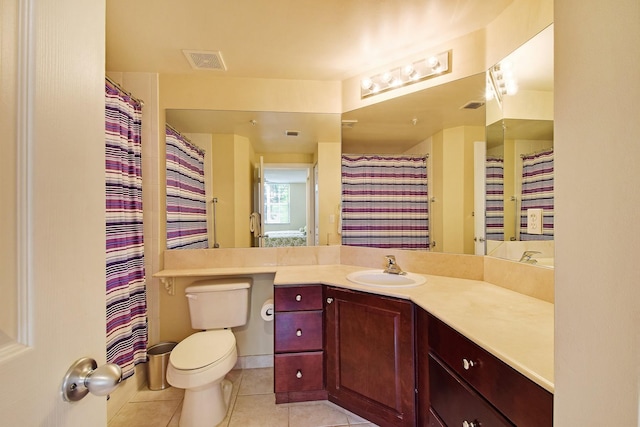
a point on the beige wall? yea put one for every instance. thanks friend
(518, 23)
(222, 188)
(329, 187)
(597, 336)
(451, 162)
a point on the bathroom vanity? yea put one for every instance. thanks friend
(450, 352)
(374, 364)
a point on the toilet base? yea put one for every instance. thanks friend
(206, 406)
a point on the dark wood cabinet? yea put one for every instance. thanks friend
(299, 356)
(394, 363)
(463, 382)
(369, 344)
(456, 403)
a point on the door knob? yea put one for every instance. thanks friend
(84, 376)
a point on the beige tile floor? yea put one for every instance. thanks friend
(252, 405)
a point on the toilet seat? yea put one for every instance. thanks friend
(203, 349)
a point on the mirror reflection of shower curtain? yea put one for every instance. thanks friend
(494, 209)
(186, 202)
(537, 193)
(385, 201)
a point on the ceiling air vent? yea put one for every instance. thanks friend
(472, 105)
(205, 60)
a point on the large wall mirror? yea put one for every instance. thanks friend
(416, 123)
(259, 162)
(443, 122)
(519, 134)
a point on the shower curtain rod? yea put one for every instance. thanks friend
(116, 84)
(522, 156)
(177, 131)
(426, 156)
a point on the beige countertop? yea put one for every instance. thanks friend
(516, 328)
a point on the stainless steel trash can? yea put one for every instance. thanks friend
(158, 361)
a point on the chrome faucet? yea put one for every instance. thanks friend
(392, 266)
(527, 257)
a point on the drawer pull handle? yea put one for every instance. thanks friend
(298, 297)
(329, 300)
(466, 423)
(299, 374)
(299, 333)
(468, 364)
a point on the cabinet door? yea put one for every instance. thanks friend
(370, 356)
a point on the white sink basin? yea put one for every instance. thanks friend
(378, 278)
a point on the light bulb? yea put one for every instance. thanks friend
(408, 70)
(433, 62)
(366, 83)
(386, 77)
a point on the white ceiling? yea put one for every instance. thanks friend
(285, 39)
(303, 40)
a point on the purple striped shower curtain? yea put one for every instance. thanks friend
(126, 292)
(494, 181)
(537, 193)
(385, 201)
(186, 202)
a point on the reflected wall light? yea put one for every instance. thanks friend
(431, 66)
(501, 81)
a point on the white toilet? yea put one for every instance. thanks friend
(200, 362)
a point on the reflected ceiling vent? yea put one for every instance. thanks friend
(205, 60)
(472, 105)
(292, 132)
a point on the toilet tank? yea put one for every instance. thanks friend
(219, 303)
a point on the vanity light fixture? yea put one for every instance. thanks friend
(422, 69)
(501, 81)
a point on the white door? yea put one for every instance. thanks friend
(52, 210)
(479, 178)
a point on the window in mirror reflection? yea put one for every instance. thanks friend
(277, 203)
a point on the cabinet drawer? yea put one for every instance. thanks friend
(456, 403)
(298, 372)
(518, 398)
(293, 298)
(298, 331)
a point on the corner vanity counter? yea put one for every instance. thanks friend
(475, 353)
(515, 328)
(452, 351)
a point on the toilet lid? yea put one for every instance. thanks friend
(202, 349)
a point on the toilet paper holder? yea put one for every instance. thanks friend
(267, 310)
